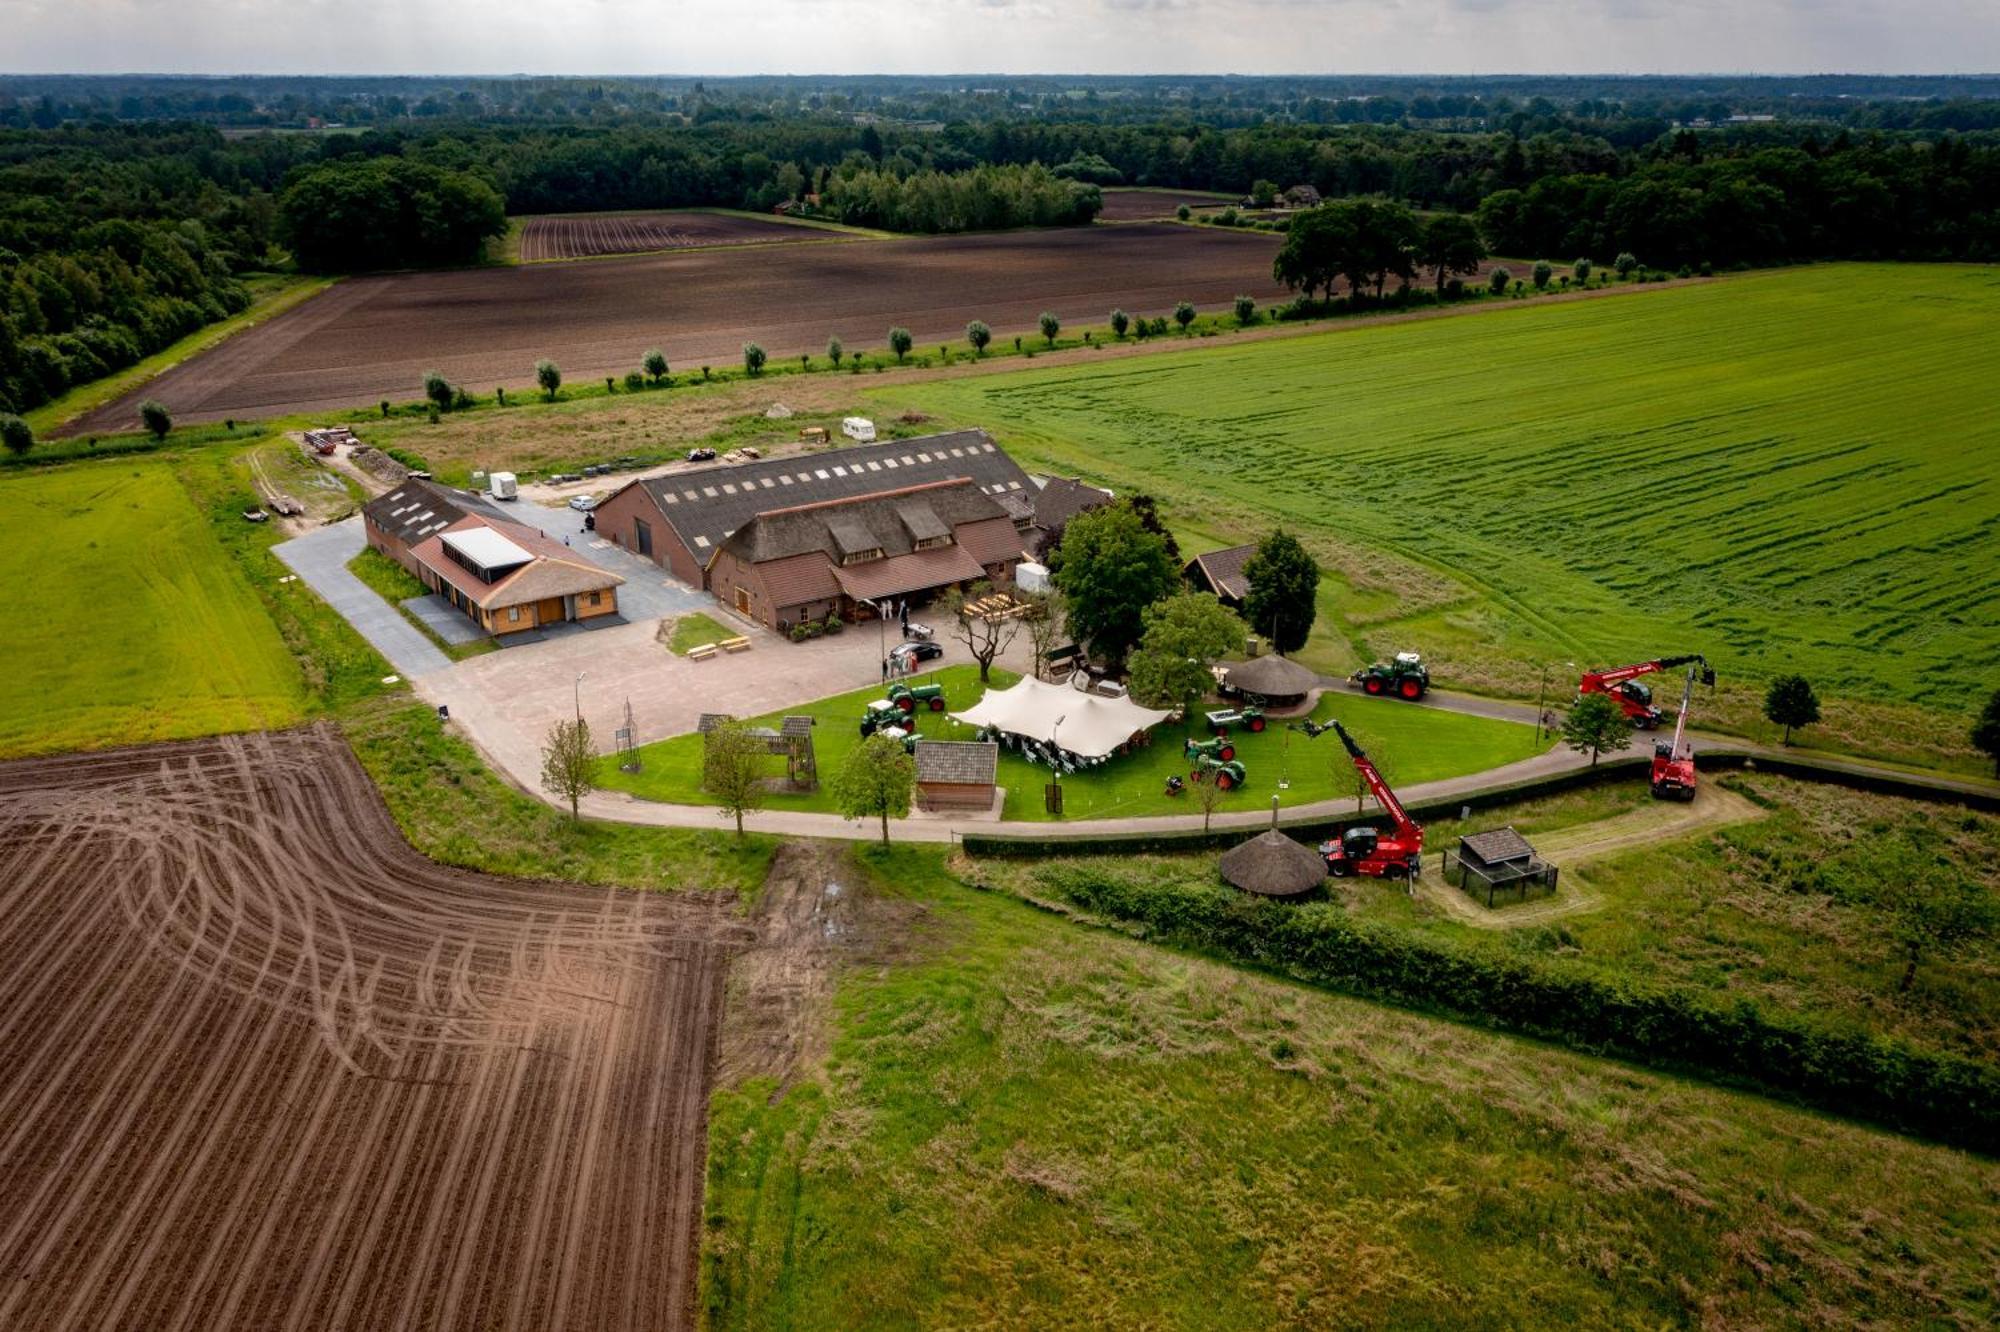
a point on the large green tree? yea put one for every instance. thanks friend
(364, 213)
(1596, 725)
(1284, 591)
(1450, 247)
(1790, 702)
(1184, 637)
(874, 781)
(1109, 569)
(1985, 733)
(1366, 241)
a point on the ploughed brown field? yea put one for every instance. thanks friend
(262, 1066)
(373, 338)
(1152, 205)
(588, 235)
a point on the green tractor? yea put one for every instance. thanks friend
(1250, 718)
(882, 715)
(1228, 773)
(1218, 749)
(908, 697)
(1405, 677)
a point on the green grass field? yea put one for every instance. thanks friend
(130, 623)
(695, 630)
(1023, 1123)
(1787, 469)
(1411, 745)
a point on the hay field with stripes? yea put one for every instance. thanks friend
(1796, 468)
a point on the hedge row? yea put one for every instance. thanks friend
(1940, 1095)
(1914, 786)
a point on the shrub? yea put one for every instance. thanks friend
(157, 420)
(1625, 263)
(1541, 272)
(437, 390)
(635, 381)
(655, 365)
(1581, 270)
(1454, 289)
(753, 358)
(1120, 321)
(978, 335)
(1684, 271)
(1499, 280)
(834, 624)
(460, 401)
(1246, 309)
(1183, 212)
(1050, 326)
(899, 343)
(549, 375)
(500, 396)
(1707, 269)
(15, 435)
(610, 384)
(835, 352)
(385, 408)
(1184, 314)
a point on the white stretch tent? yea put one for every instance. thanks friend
(1092, 725)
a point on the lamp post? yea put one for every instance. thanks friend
(577, 695)
(1542, 701)
(1055, 758)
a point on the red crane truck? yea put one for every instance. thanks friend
(1673, 764)
(1622, 684)
(1363, 849)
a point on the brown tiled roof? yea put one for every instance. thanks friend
(555, 570)
(1062, 498)
(1223, 571)
(1493, 847)
(991, 540)
(799, 579)
(961, 762)
(861, 522)
(899, 575)
(704, 507)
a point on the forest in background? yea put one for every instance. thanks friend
(132, 208)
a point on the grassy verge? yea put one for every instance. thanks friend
(274, 294)
(1410, 744)
(696, 630)
(1035, 1125)
(454, 809)
(395, 585)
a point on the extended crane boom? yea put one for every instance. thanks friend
(1673, 764)
(1622, 684)
(1363, 849)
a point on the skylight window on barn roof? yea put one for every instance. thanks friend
(785, 480)
(923, 457)
(689, 494)
(728, 487)
(701, 541)
(767, 482)
(821, 474)
(889, 462)
(874, 466)
(670, 497)
(838, 471)
(708, 491)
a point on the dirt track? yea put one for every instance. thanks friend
(373, 338)
(261, 1066)
(588, 235)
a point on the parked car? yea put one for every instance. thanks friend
(907, 655)
(582, 503)
(922, 633)
(701, 455)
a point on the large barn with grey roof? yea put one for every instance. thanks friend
(681, 518)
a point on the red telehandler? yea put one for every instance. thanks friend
(1673, 764)
(1636, 699)
(1365, 850)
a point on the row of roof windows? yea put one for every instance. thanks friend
(806, 478)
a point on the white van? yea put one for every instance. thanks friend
(859, 429)
(501, 486)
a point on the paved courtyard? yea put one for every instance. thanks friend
(320, 557)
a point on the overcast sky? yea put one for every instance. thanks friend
(1000, 36)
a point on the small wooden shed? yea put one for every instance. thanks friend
(957, 774)
(1494, 863)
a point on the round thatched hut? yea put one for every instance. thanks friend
(1278, 682)
(1272, 865)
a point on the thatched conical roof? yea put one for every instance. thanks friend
(1272, 865)
(1273, 677)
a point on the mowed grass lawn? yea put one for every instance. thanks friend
(129, 621)
(1796, 469)
(1411, 744)
(1022, 1123)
